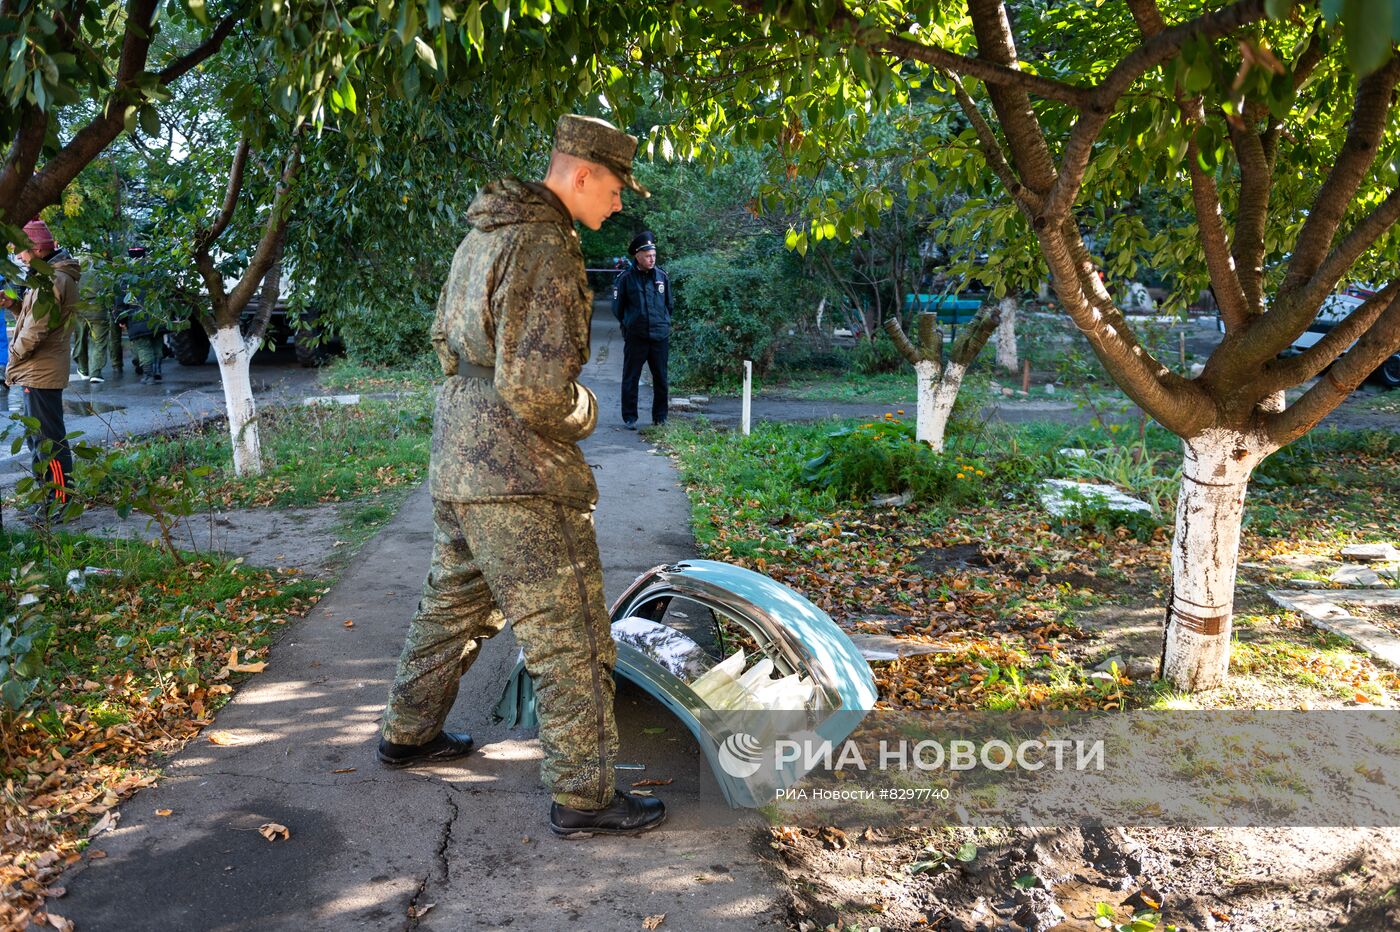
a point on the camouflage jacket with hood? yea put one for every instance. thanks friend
(39, 352)
(516, 302)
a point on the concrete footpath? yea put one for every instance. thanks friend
(454, 847)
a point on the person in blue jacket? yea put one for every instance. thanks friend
(9, 306)
(642, 304)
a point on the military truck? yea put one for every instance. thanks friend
(307, 338)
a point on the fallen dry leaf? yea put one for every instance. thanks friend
(164, 812)
(1219, 916)
(270, 831)
(418, 912)
(106, 823)
(58, 922)
(233, 666)
(654, 922)
(224, 738)
(348, 623)
(344, 770)
(666, 782)
(96, 853)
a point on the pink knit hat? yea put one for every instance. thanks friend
(38, 233)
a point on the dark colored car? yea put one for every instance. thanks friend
(307, 338)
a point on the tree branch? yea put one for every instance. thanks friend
(974, 336)
(1177, 404)
(270, 244)
(24, 154)
(267, 298)
(1028, 200)
(1296, 302)
(1373, 99)
(1380, 341)
(235, 187)
(1024, 137)
(1286, 373)
(47, 186)
(1166, 43)
(988, 72)
(206, 49)
(1340, 260)
(1252, 215)
(1158, 48)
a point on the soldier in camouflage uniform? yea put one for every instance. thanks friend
(513, 497)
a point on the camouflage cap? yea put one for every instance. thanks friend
(600, 142)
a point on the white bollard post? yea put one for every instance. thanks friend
(748, 391)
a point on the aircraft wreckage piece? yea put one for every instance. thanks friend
(778, 662)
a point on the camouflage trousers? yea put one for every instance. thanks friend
(90, 345)
(533, 563)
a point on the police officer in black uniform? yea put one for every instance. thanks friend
(642, 303)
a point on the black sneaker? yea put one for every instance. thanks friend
(629, 425)
(447, 745)
(156, 376)
(625, 815)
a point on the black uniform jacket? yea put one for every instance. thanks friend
(642, 303)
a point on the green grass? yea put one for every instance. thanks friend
(343, 376)
(310, 455)
(1387, 402)
(153, 623)
(1332, 485)
(886, 388)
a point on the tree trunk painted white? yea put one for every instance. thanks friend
(234, 353)
(1205, 555)
(1007, 355)
(936, 399)
(924, 371)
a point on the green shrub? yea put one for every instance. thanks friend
(24, 636)
(882, 457)
(877, 355)
(730, 308)
(1091, 514)
(390, 332)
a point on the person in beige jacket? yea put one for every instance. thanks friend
(39, 359)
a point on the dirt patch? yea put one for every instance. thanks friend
(1386, 616)
(1053, 879)
(302, 539)
(938, 560)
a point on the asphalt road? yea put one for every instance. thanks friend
(122, 407)
(466, 845)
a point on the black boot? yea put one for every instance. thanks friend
(626, 815)
(447, 745)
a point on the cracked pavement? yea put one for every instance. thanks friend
(465, 845)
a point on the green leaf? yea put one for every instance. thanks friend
(967, 853)
(1277, 9)
(1367, 26)
(425, 52)
(475, 30)
(198, 10)
(1198, 76)
(150, 121)
(1025, 881)
(923, 867)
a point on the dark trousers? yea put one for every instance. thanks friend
(637, 352)
(45, 405)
